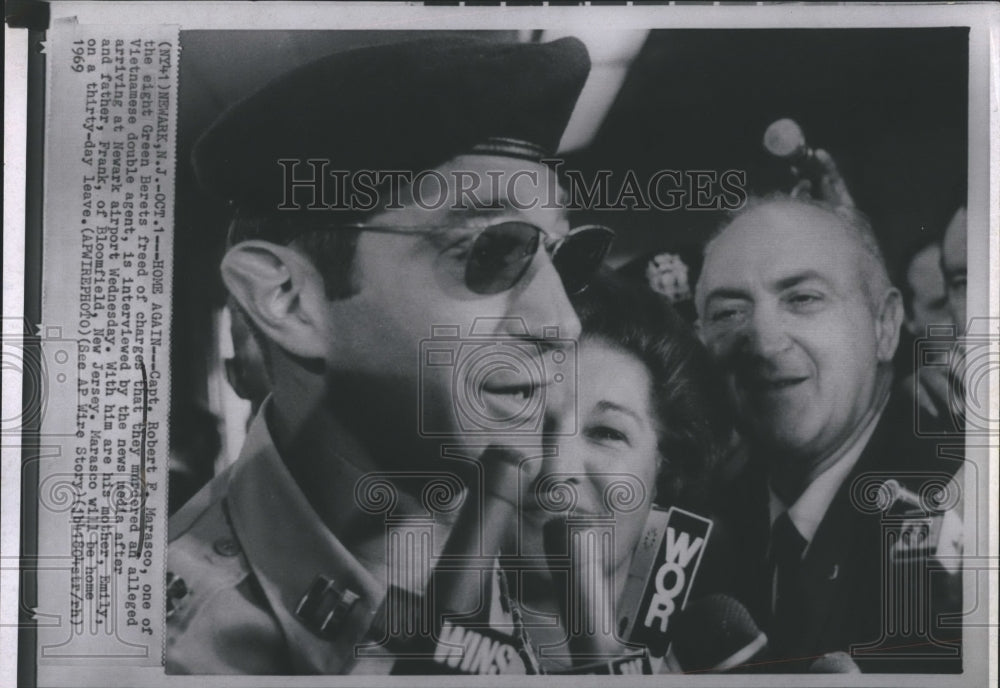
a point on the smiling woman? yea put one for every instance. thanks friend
(651, 423)
(684, 400)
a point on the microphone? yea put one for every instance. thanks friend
(716, 634)
(784, 139)
(899, 495)
(834, 663)
(936, 535)
(662, 573)
(815, 168)
(460, 640)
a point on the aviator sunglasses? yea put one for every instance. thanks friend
(502, 253)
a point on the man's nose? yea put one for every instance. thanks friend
(765, 335)
(544, 306)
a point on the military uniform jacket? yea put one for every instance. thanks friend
(242, 558)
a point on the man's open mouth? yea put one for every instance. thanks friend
(777, 384)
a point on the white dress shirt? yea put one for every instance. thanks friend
(807, 512)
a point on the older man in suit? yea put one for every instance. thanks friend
(796, 306)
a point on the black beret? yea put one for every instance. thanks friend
(406, 106)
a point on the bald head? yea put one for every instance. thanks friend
(846, 228)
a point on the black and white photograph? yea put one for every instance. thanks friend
(379, 340)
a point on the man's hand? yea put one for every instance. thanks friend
(832, 187)
(936, 390)
(507, 475)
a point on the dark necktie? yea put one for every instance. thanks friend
(787, 546)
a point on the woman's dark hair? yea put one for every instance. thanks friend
(688, 399)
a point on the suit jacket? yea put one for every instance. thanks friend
(849, 575)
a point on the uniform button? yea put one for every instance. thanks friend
(227, 547)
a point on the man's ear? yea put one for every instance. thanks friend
(282, 292)
(888, 320)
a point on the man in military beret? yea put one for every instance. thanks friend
(796, 306)
(279, 564)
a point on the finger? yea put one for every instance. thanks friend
(937, 384)
(827, 161)
(802, 189)
(834, 188)
(503, 469)
(924, 401)
(587, 596)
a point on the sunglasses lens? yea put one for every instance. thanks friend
(580, 254)
(500, 256)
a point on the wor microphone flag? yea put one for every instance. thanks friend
(663, 570)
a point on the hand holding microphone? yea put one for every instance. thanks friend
(815, 169)
(489, 512)
(637, 628)
(461, 640)
(587, 604)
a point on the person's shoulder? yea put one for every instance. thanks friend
(202, 546)
(739, 485)
(903, 444)
(218, 619)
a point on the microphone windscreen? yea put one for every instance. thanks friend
(715, 633)
(784, 138)
(834, 663)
